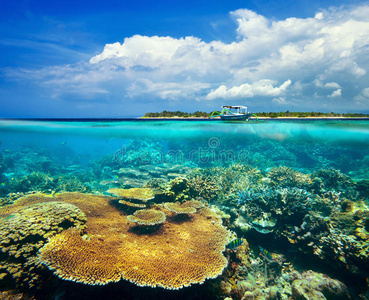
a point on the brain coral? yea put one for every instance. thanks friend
(177, 255)
(141, 194)
(147, 217)
(24, 230)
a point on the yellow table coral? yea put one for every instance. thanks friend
(178, 255)
(141, 194)
(147, 217)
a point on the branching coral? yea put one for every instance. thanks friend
(205, 187)
(287, 177)
(334, 180)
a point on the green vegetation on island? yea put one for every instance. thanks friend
(286, 114)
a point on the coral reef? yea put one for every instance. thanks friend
(132, 204)
(277, 198)
(179, 208)
(334, 180)
(287, 177)
(180, 254)
(25, 230)
(147, 217)
(205, 187)
(10, 295)
(264, 208)
(363, 188)
(140, 194)
(187, 207)
(314, 285)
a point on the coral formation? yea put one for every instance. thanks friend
(86, 259)
(139, 194)
(107, 250)
(131, 204)
(147, 217)
(179, 208)
(278, 198)
(287, 177)
(25, 230)
(314, 285)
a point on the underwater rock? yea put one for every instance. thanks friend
(318, 286)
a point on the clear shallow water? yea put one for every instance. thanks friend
(93, 156)
(302, 144)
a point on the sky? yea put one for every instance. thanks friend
(123, 58)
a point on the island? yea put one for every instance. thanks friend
(286, 114)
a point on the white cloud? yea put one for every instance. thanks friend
(281, 101)
(365, 93)
(333, 85)
(336, 93)
(261, 88)
(363, 98)
(327, 51)
(166, 91)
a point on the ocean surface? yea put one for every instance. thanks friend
(297, 191)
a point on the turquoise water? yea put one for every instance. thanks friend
(318, 167)
(300, 144)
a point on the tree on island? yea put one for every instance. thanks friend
(201, 114)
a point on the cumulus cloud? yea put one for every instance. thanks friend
(326, 51)
(260, 88)
(333, 85)
(336, 93)
(281, 101)
(362, 99)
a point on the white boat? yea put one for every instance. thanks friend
(233, 113)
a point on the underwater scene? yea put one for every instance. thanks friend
(184, 209)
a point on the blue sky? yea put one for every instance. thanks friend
(124, 58)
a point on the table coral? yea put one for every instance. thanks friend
(141, 194)
(147, 217)
(25, 230)
(178, 255)
(131, 204)
(179, 208)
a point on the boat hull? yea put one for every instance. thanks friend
(235, 117)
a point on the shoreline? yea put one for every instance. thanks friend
(259, 118)
(182, 119)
